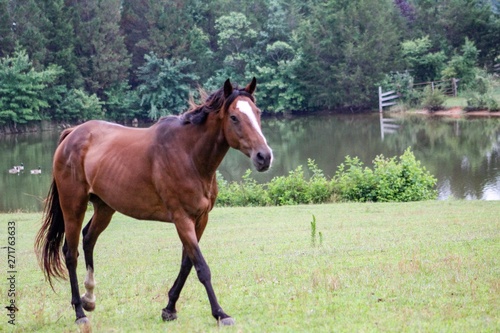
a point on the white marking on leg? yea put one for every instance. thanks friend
(245, 108)
(89, 285)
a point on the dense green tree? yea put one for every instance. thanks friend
(463, 65)
(135, 28)
(28, 22)
(165, 85)
(102, 57)
(23, 90)
(6, 29)
(235, 39)
(78, 106)
(347, 48)
(449, 22)
(60, 42)
(306, 54)
(418, 57)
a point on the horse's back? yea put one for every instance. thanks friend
(116, 164)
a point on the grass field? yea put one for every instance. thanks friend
(408, 267)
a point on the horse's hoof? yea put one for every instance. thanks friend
(226, 322)
(168, 315)
(88, 305)
(82, 321)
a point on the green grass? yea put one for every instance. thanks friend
(455, 102)
(407, 267)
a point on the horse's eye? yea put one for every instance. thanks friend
(234, 118)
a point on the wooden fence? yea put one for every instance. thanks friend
(448, 87)
(386, 98)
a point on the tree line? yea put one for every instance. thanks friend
(69, 60)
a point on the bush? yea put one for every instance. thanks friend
(480, 97)
(246, 193)
(284, 190)
(403, 181)
(389, 180)
(433, 99)
(289, 190)
(353, 182)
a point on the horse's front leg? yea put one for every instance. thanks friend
(192, 256)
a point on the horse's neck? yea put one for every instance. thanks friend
(209, 148)
(204, 145)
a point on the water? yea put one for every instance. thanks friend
(463, 154)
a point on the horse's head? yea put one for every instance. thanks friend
(242, 125)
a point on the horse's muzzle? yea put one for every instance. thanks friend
(262, 159)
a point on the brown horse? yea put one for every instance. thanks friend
(165, 172)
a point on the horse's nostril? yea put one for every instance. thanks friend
(260, 157)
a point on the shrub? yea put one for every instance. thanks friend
(480, 97)
(407, 180)
(389, 180)
(246, 193)
(353, 182)
(433, 99)
(319, 189)
(289, 190)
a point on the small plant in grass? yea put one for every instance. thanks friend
(314, 233)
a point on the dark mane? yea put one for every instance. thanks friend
(197, 114)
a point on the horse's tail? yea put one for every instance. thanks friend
(50, 237)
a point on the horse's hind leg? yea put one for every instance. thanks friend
(73, 207)
(99, 221)
(170, 312)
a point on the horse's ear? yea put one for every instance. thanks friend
(228, 88)
(250, 88)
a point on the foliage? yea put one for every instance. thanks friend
(432, 98)
(480, 96)
(78, 107)
(463, 66)
(354, 182)
(389, 180)
(289, 190)
(418, 56)
(342, 63)
(246, 193)
(122, 104)
(24, 91)
(306, 55)
(165, 85)
(402, 83)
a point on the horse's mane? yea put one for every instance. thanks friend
(198, 113)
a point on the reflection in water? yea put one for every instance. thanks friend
(463, 154)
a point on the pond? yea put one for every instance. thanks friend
(462, 153)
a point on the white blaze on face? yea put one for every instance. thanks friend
(245, 108)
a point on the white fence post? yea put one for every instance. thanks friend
(384, 98)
